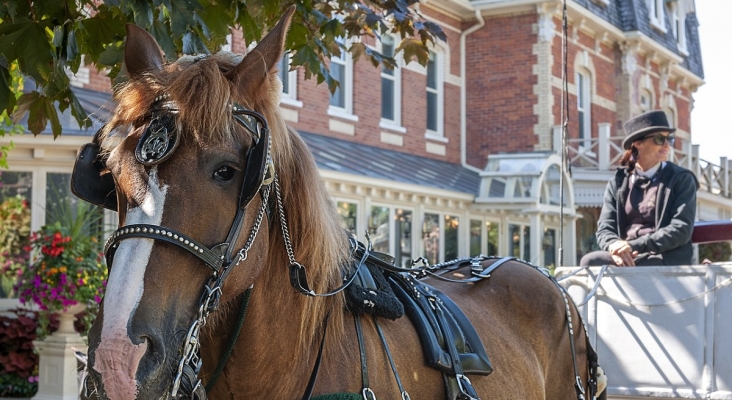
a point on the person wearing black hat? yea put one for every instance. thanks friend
(649, 206)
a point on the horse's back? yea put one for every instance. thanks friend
(520, 316)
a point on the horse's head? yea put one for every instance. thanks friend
(193, 169)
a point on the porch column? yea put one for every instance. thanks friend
(569, 245)
(58, 379)
(603, 146)
(537, 238)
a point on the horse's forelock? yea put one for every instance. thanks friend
(195, 86)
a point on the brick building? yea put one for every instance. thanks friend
(463, 156)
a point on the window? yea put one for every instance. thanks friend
(434, 95)
(476, 241)
(431, 237)
(289, 82)
(519, 244)
(645, 101)
(390, 86)
(440, 237)
(549, 247)
(390, 230)
(655, 11)
(349, 213)
(341, 69)
(584, 92)
(403, 234)
(15, 199)
(678, 25)
(379, 229)
(452, 237)
(63, 206)
(671, 116)
(478, 238)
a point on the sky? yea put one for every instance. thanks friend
(711, 118)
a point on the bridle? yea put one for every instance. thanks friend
(156, 144)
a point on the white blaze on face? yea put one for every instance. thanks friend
(117, 358)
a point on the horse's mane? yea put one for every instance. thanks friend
(202, 94)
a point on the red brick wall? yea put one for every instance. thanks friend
(500, 91)
(500, 82)
(605, 80)
(367, 106)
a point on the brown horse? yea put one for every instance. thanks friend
(212, 203)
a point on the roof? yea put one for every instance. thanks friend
(340, 155)
(633, 15)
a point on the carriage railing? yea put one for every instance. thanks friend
(603, 153)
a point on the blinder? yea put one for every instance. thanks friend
(88, 180)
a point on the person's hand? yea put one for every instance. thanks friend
(622, 253)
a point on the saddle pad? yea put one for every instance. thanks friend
(371, 294)
(420, 300)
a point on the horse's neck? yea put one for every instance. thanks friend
(266, 350)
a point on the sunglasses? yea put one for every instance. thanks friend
(659, 139)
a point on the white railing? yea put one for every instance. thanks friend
(660, 332)
(604, 152)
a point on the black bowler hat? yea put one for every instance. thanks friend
(644, 124)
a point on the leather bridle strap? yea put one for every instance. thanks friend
(366, 392)
(210, 257)
(385, 345)
(314, 375)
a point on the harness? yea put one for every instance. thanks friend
(440, 322)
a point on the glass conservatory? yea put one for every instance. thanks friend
(526, 189)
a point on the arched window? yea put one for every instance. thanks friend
(671, 116)
(645, 100)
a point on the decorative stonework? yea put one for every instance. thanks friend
(629, 61)
(542, 50)
(546, 27)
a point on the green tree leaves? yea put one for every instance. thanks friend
(49, 39)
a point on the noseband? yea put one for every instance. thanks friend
(157, 144)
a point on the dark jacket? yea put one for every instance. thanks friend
(675, 213)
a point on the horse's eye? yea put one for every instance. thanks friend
(224, 174)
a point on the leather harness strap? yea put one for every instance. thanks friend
(385, 345)
(366, 391)
(316, 367)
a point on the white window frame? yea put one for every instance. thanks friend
(678, 26)
(584, 106)
(484, 234)
(289, 90)
(346, 85)
(522, 240)
(645, 93)
(439, 60)
(655, 11)
(396, 98)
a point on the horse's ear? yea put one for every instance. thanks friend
(142, 53)
(250, 74)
